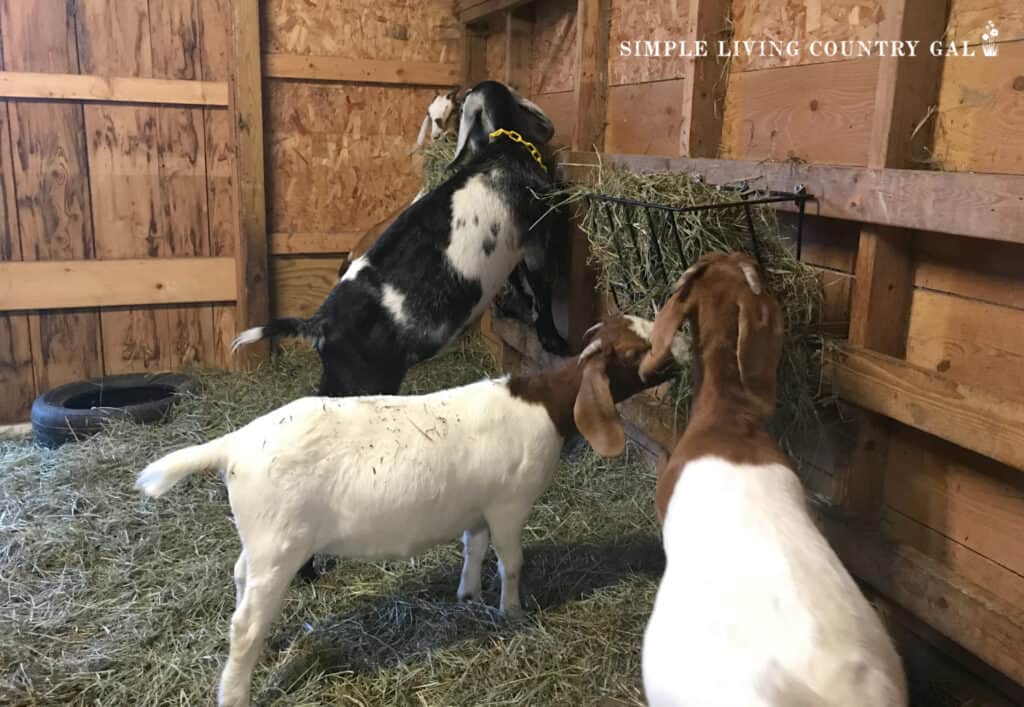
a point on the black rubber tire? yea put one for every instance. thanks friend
(76, 410)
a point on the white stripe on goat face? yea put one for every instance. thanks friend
(485, 244)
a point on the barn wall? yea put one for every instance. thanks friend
(338, 152)
(101, 181)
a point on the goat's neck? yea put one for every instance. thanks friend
(722, 398)
(554, 388)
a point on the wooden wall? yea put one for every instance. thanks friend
(338, 149)
(144, 175)
(950, 305)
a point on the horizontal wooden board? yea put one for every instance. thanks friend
(287, 243)
(981, 111)
(652, 130)
(989, 206)
(335, 68)
(816, 113)
(488, 8)
(968, 341)
(988, 422)
(972, 500)
(102, 283)
(989, 271)
(299, 285)
(112, 89)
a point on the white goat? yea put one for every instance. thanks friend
(755, 608)
(390, 476)
(441, 118)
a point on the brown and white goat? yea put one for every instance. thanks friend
(390, 476)
(754, 607)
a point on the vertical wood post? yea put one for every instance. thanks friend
(884, 284)
(591, 92)
(701, 113)
(251, 204)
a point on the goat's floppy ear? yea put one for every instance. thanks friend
(424, 129)
(594, 410)
(453, 95)
(475, 127)
(759, 346)
(670, 317)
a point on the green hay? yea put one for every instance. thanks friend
(108, 598)
(642, 274)
(437, 155)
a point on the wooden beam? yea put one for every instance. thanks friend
(985, 421)
(250, 195)
(989, 206)
(76, 284)
(474, 12)
(591, 92)
(78, 87)
(703, 96)
(333, 68)
(968, 614)
(517, 52)
(292, 243)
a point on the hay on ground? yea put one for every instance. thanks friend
(639, 266)
(112, 599)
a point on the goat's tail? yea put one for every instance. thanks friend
(287, 326)
(160, 476)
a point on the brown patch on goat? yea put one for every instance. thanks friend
(736, 329)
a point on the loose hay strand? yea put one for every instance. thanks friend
(107, 598)
(638, 267)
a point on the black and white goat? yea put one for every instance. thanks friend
(442, 261)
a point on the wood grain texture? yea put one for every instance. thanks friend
(827, 242)
(974, 501)
(489, 8)
(803, 21)
(591, 83)
(300, 284)
(289, 243)
(54, 213)
(977, 205)
(87, 283)
(981, 110)
(883, 289)
(960, 610)
(112, 89)
(336, 68)
(517, 35)
(645, 20)
(554, 56)
(383, 30)
(561, 109)
(988, 422)
(969, 341)
(814, 113)
(989, 271)
(701, 131)
(654, 130)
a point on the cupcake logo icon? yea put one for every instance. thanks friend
(989, 38)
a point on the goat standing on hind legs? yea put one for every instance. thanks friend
(390, 476)
(754, 608)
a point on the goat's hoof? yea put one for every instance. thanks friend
(469, 596)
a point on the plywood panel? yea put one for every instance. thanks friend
(561, 109)
(553, 55)
(969, 341)
(51, 183)
(965, 497)
(645, 119)
(981, 110)
(300, 284)
(426, 30)
(645, 20)
(335, 166)
(495, 55)
(803, 21)
(968, 19)
(985, 270)
(816, 113)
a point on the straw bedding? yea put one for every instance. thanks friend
(111, 599)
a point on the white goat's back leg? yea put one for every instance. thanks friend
(507, 534)
(264, 588)
(474, 549)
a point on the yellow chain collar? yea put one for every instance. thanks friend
(516, 137)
